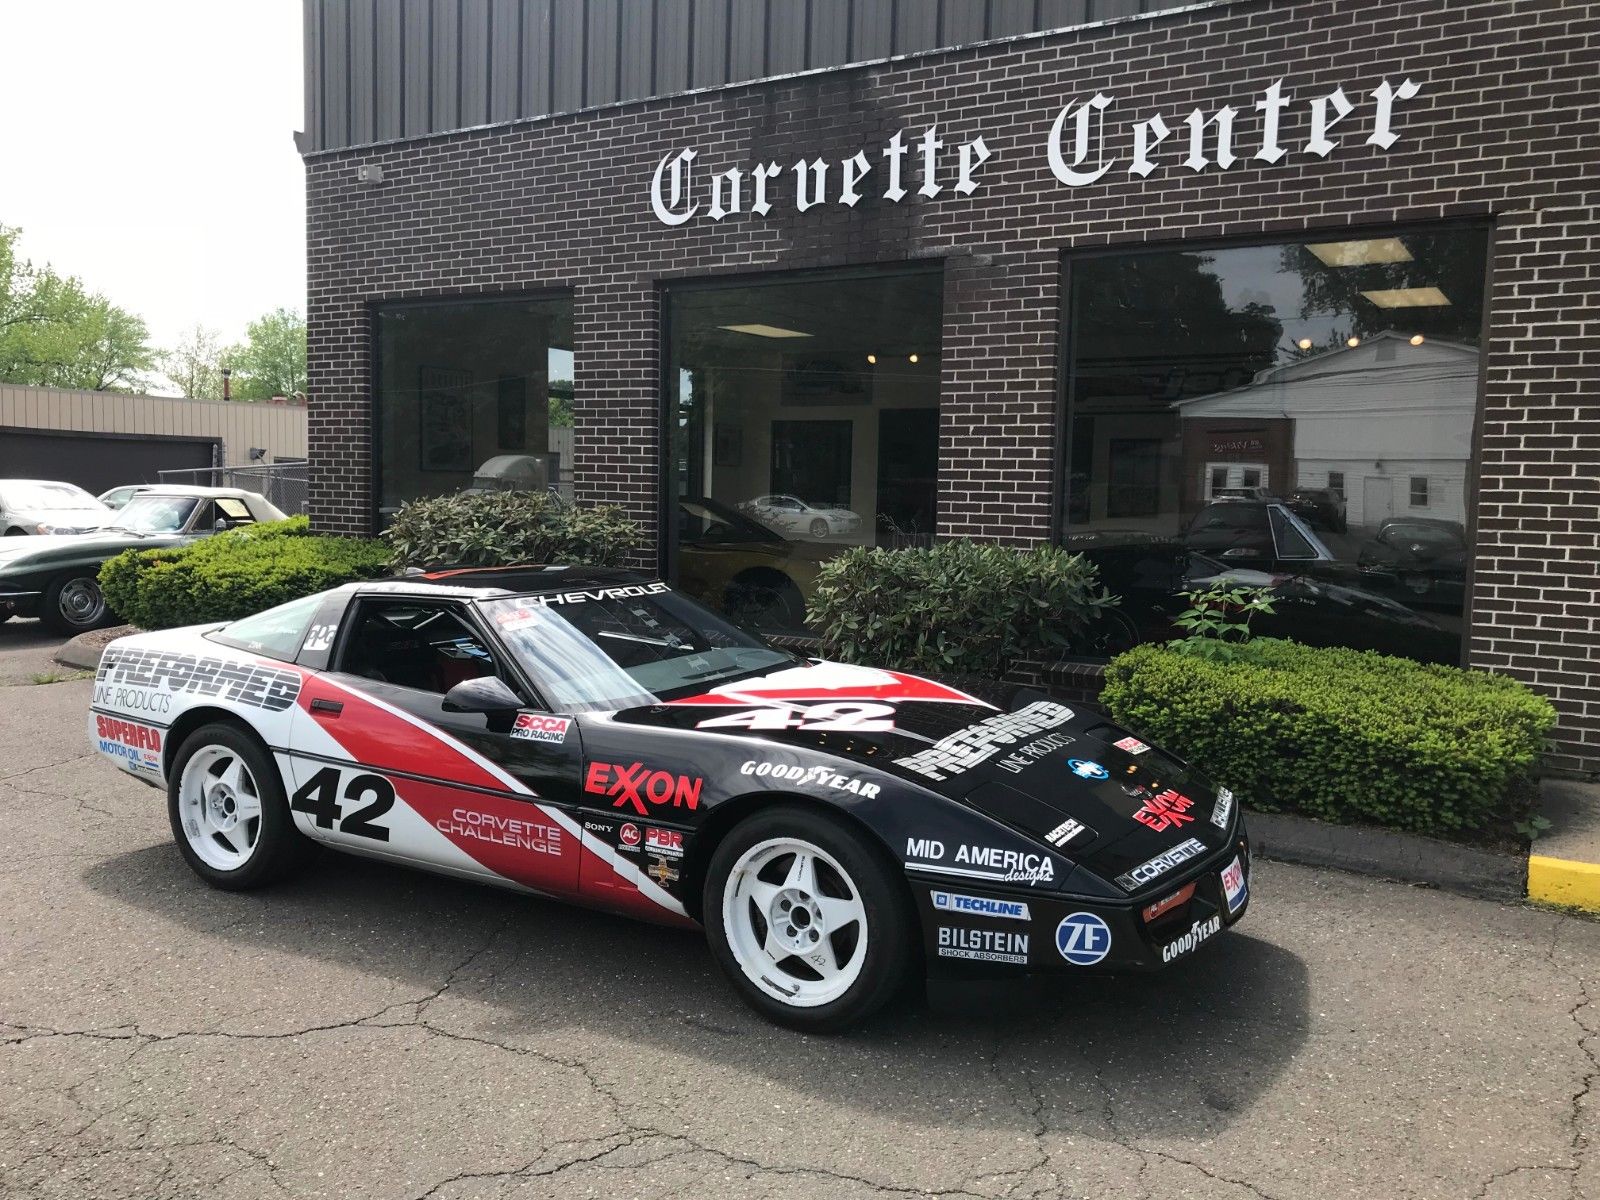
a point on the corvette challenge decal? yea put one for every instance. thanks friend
(500, 831)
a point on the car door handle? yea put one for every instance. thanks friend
(330, 708)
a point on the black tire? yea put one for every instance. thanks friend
(73, 604)
(891, 944)
(819, 528)
(279, 848)
(16, 533)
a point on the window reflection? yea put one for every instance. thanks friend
(1298, 416)
(806, 422)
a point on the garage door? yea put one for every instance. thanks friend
(97, 461)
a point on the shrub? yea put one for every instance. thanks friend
(1346, 735)
(963, 607)
(490, 529)
(233, 574)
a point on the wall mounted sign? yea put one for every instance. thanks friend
(1079, 151)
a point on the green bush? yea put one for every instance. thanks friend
(491, 529)
(1345, 735)
(963, 607)
(233, 574)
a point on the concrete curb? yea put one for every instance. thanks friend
(83, 651)
(1408, 857)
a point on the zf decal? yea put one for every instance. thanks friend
(318, 798)
(822, 718)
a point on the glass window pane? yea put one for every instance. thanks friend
(1269, 413)
(468, 385)
(277, 633)
(807, 421)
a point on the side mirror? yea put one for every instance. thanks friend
(222, 525)
(486, 694)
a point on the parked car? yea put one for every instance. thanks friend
(118, 496)
(595, 736)
(44, 506)
(1320, 508)
(1261, 534)
(792, 515)
(56, 578)
(1150, 572)
(1423, 557)
(1243, 493)
(757, 578)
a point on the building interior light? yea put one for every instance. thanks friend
(1360, 254)
(1352, 342)
(911, 358)
(872, 358)
(1416, 339)
(1415, 297)
(1304, 343)
(766, 331)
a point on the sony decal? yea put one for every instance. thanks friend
(1078, 150)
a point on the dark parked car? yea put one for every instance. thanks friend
(56, 578)
(1149, 572)
(1320, 508)
(1422, 557)
(1259, 534)
(756, 576)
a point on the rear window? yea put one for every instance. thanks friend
(276, 633)
(1231, 516)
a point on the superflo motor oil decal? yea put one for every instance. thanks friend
(137, 745)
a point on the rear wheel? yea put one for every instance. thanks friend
(228, 811)
(808, 922)
(73, 604)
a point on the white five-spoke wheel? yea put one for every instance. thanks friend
(229, 814)
(219, 805)
(811, 923)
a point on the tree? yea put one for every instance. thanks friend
(272, 361)
(56, 333)
(561, 402)
(194, 365)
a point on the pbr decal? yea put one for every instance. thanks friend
(537, 727)
(983, 945)
(1198, 933)
(817, 776)
(980, 906)
(143, 675)
(137, 746)
(966, 748)
(664, 843)
(637, 785)
(1165, 810)
(1158, 866)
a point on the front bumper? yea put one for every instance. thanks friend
(983, 932)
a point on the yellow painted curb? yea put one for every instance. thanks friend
(1564, 881)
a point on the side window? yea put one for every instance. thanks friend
(235, 509)
(1291, 543)
(204, 518)
(427, 647)
(276, 633)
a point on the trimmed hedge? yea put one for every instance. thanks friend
(233, 574)
(962, 607)
(1345, 735)
(494, 529)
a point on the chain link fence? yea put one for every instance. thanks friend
(284, 484)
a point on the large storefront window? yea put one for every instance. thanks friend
(1296, 416)
(473, 393)
(805, 420)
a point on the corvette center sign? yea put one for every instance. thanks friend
(1086, 144)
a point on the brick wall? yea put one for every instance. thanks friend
(1499, 129)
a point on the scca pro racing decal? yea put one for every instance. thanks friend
(980, 906)
(138, 746)
(966, 748)
(537, 727)
(980, 862)
(638, 785)
(1158, 866)
(132, 678)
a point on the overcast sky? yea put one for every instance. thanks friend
(148, 147)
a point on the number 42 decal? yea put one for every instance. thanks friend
(830, 718)
(318, 797)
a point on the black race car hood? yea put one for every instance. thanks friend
(1055, 772)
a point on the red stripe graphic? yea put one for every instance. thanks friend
(833, 681)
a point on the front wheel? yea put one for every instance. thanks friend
(808, 922)
(228, 812)
(73, 604)
(819, 528)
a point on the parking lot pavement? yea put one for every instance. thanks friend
(366, 1031)
(27, 652)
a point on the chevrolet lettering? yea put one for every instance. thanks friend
(593, 736)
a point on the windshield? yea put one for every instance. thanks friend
(704, 520)
(47, 497)
(622, 647)
(155, 514)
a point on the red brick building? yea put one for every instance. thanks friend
(1284, 289)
